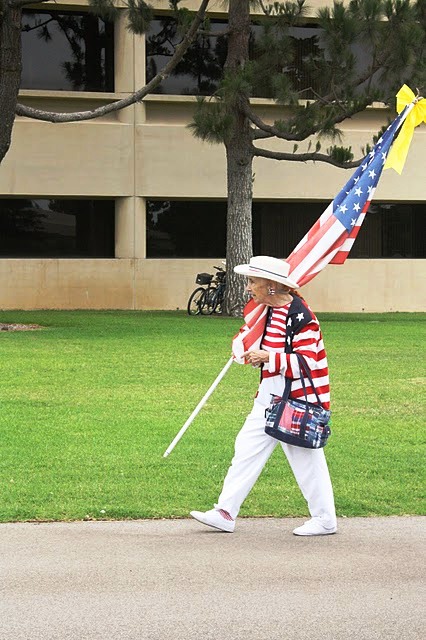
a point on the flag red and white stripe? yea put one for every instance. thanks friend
(250, 334)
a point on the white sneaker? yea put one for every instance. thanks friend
(214, 518)
(313, 528)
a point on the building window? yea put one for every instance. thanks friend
(53, 228)
(197, 229)
(306, 42)
(392, 231)
(202, 66)
(388, 231)
(67, 51)
(185, 229)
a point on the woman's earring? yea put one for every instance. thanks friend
(271, 291)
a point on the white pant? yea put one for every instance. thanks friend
(253, 447)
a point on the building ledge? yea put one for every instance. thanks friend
(159, 97)
(71, 95)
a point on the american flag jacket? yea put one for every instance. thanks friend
(290, 329)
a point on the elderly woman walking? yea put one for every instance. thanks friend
(290, 328)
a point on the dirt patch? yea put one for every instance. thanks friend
(19, 327)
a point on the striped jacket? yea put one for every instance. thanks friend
(295, 328)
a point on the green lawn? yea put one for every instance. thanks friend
(90, 403)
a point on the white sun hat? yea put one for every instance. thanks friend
(269, 268)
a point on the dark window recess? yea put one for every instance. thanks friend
(185, 229)
(197, 229)
(56, 228)
(388, 231)
(306, 43)
(279, 226)
(392, 231)
(67, 51)
(202, 66)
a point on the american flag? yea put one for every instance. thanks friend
(330, 239)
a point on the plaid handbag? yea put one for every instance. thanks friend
(298, 422)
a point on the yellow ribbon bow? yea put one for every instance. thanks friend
(398, 152)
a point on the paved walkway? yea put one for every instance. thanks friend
(155, 580)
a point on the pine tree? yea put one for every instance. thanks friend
(391, 35)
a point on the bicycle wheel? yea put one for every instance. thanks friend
(208, 303)
(195, 301)
(218, 307)
(218, 303)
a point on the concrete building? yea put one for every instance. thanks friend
(122, 212)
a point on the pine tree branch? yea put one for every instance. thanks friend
(304, 157)
(37, 26)
(264, 9)
(271, 131)
(258, 134)
(77, 116)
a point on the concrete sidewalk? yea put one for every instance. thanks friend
(160, 579)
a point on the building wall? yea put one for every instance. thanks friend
(146, 151)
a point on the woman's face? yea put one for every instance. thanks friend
(258, 288)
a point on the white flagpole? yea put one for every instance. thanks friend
(198, 408)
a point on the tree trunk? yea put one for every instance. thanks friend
(10, 71)
(239, 159)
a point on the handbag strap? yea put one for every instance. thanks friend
(304, 369)
(286, 393)
(304, 366)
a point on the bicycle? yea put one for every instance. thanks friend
(208, 299)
